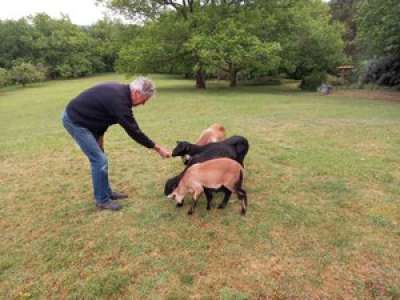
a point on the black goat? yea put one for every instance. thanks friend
(235, 147)
(202, 153)
(241, 146)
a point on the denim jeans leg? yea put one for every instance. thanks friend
(98, 160)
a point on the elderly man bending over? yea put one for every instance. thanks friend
(87, 117)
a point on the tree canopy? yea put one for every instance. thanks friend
(232, 37)
(202, 39)
(345, 12)
(67, 50)
(379, 27)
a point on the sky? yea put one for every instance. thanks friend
(81, 12)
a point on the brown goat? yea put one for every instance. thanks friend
(211, 175)
(214, 133)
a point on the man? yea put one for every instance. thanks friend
(87, 117)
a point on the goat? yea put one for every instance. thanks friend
(241, 146)
(211, 175)
(235, 147)
(214, 133)
(198, 154)
(209, 151)
(173, 183)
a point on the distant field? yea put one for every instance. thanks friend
(322, 177)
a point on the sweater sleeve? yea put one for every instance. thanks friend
(128, 122)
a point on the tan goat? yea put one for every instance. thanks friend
(212, 175)
(214, 133)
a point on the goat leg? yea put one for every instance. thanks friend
(227, 196)
(242, 195)
(209, 198)
(191, 210)
(196, 195)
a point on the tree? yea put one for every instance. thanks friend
(108, 37)
(345, 12)
(248, 41)
(154, 9)
(65, 48)
(16, 42)
(311, 42)
(61, 48)
(379, 27)
(157, 48)
(232, 49)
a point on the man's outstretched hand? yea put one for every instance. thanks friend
(164, 152)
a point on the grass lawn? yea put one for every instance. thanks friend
(322, 177)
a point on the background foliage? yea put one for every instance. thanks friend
(233, 40)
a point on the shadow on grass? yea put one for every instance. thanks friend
(223, 88)
(13, 88)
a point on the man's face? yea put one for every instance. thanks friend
(138, 98)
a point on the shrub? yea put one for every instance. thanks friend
(4, 77)
(75, 66)
(383, 71)
(44, 70)
(24, 73)
(313, 81)
(334, 80)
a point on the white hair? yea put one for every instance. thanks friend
(144, 85)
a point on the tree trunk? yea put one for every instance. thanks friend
(200, 79)
(232, 75)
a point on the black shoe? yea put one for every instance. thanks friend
(118, 196)
(108, 205)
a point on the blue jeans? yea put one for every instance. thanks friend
(98, 160)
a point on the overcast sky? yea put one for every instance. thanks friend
(82, 12)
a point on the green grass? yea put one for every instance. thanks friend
(322, 177)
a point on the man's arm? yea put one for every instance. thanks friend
(128, 122)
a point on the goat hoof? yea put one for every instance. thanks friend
(190, 212)
(179, 204)
(221, 206)
(243, 212)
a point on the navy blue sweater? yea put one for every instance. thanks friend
(104, 105)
